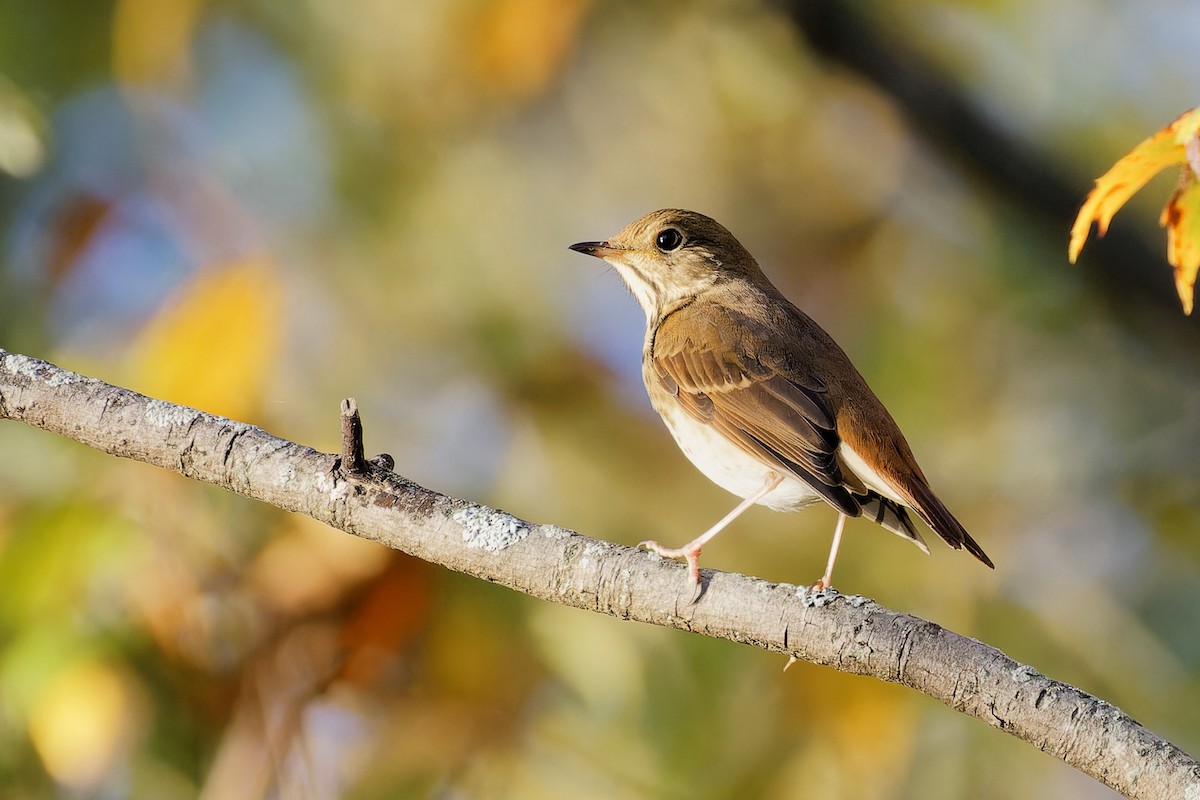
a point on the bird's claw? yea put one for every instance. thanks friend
(690, 556)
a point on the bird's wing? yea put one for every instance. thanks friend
(770, 399)
(786, 421)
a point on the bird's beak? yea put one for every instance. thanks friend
(597, 249)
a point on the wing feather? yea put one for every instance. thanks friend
(784, 424)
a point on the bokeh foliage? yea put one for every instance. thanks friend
(261, 207)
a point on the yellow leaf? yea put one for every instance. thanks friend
(213, 347)
(520, 45)
(1178, 143)
(1186, 127)
(1181, 218)
(152, 39)
(1121, 182)
(81, 722)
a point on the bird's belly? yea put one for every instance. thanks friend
(730, 467)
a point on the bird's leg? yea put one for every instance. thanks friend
(824, 583)
(690, 552)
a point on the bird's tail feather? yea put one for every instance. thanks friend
(890, 515)
(943, 523)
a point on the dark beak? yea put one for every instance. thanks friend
(597, 249)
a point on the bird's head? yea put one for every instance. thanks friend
(671, 255)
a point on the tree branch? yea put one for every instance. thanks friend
(849, 633)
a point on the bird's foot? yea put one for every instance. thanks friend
(690, 553)
(818, 594)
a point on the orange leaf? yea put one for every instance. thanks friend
(1181, 218)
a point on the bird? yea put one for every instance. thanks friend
(757, 395)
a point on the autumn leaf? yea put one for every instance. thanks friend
(1181, 218)
(212, 347)
(1178, 143)
(520, 45)
(152, 41)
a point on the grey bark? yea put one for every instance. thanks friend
(849, 633)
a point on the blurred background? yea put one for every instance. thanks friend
(260, 207)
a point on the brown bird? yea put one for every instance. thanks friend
(757, 395)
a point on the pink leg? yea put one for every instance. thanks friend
(690, 552)
(824, 583)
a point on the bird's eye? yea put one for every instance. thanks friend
(669, 239)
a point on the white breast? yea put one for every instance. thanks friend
(730, 467)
